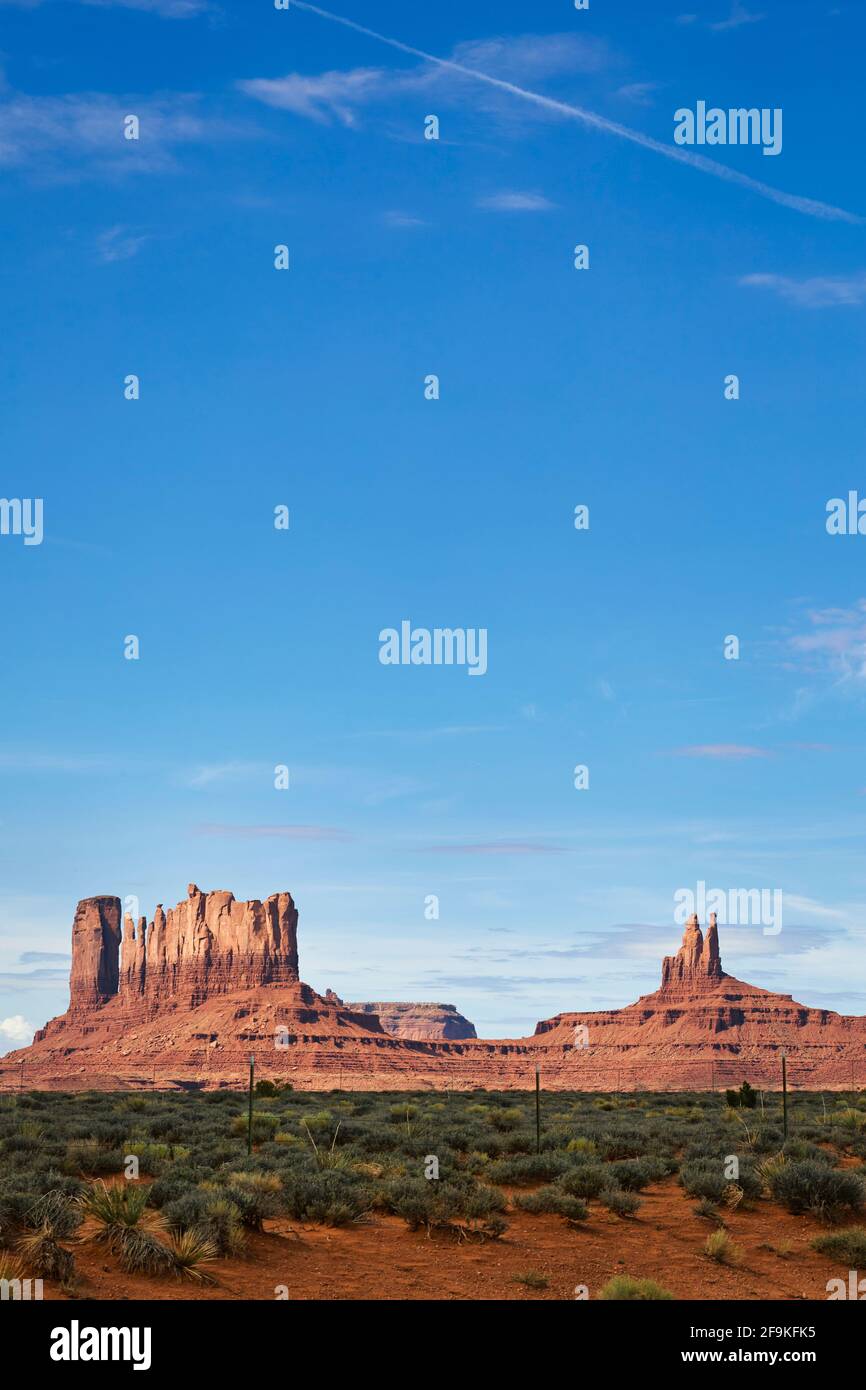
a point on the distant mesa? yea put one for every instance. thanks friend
(430, 1021)
(183, 1000)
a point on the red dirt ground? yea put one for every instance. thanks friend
(384, 1260)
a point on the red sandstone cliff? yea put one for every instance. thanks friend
(213, 979)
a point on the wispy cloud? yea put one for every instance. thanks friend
(67, 137)
(459, 66)
(209, 773)
(497, 847)
(337, 95)
(279, 832)
(54, 762)
(723, 751)
(31, 957)
(638, 93)
(167, 9)
(439, 731)
(330, 96)
(516, 202)
(33, 979)
(402, 219)
(736, 19)
(817, 292)
(834, 643)
(119, 244)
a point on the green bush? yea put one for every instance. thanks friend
(623, 1286)
(619, 1202)
(554, 1201)
(848, 1246)
(810, 1186)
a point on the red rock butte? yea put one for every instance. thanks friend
(183, 1001)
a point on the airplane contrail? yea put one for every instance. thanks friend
(810, 206)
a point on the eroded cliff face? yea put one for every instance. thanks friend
(212, 980)
(697, 964)
(95, 944)
(208, 944)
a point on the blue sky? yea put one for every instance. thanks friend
(306, 388)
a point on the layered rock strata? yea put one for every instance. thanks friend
(193, 993)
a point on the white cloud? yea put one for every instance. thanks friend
(337, 95)
(516, 202)
(639, 93)
(168, 9)
(402, 219)
(118, 244)
(331, 95)
(819, 292)
(739, 15)
(62, 137)
(16, 1028)
(458, 69)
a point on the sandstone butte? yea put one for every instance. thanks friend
(183, 1001)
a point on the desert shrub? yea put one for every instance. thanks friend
(332, 1197)
(528, 1168)
(848, 1246)
(632, 1175)
(254, 1204)
(554, 1201)
(188, 1210)
(423, 1203)
(57, 1211)
(767, 1140)
(265, 1126)
(221, 1225)
(623, 1286)
(118, 1209)
(743, 1099)
(801, 1149)
(720, 1247)
(704, 1179)
(11, 1267)
(44, 1254)
(474, 1209)
(506, 1119)
(619, 1202)
(626, 1144)
(708, 1210)
(810, 1186)
(583, 1147)
(174, 1182)
(141, 1252)
(585, 1180)
(190, 1253)
(15, 1202)
(531, 1279)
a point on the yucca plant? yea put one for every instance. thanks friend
(767, 1168)
(10, 1267)
(141, 1253)
(118, 1209)
(43, 1253)
(190, 1251)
